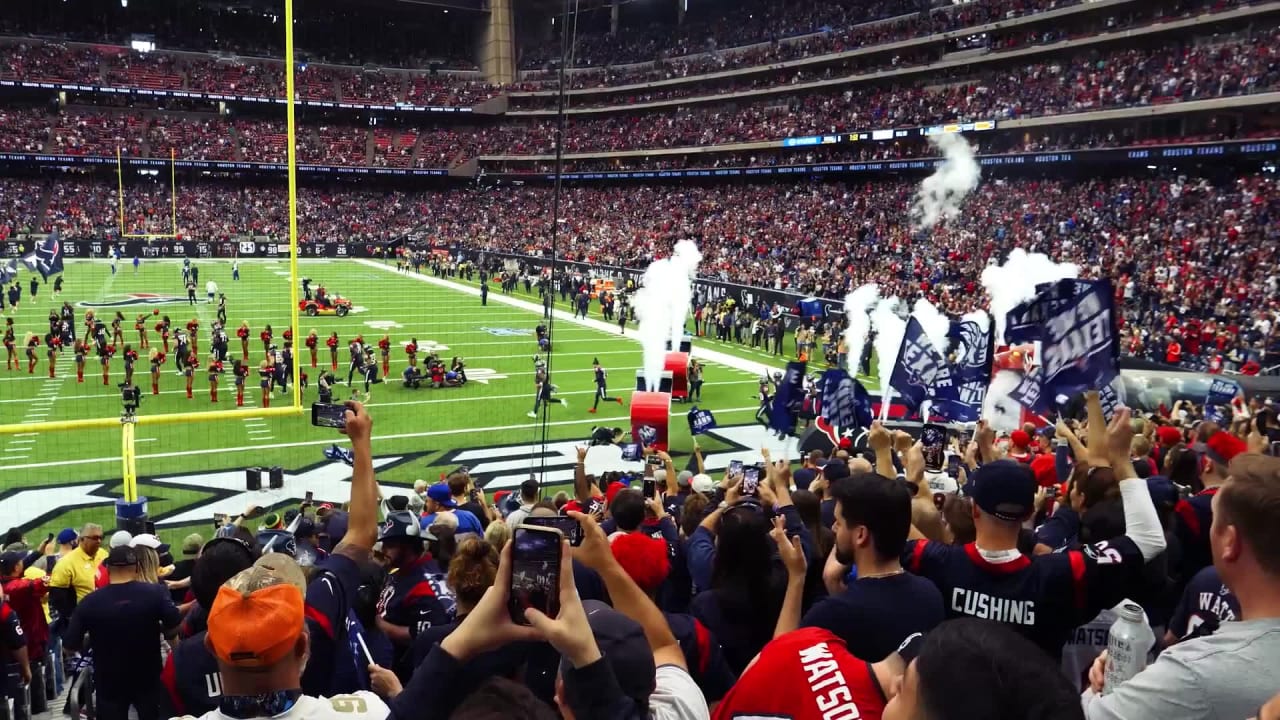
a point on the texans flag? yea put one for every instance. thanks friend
(1221, 392)
(845, 402)
(9, 272)
(922, 374)
(787, 400)
(1074, 321)
(971, 369)
(700, 421)
(47, 257)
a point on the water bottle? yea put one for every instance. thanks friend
(1127, 646)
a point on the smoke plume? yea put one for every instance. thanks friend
(941, 193)
(662, 304)
(857, 305)
(1015, 281)
(936, 326)
(890, 327)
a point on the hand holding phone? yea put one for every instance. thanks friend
(735, 467)
(535, 572)
(650, 488)
(329, 415)
(750, 480)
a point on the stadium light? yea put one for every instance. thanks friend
(124, 3)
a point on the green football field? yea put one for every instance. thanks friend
(189, 471)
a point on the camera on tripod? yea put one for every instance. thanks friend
(130, 399)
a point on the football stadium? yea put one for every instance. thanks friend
(924, 287)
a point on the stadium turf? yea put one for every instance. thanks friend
(189, 471)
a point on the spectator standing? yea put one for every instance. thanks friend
(1047, 596)
(528, 498)
(1234, 671)
(191, 545)
(440, 500)
(75, 575)
(124, 622)
(257, 632)
(883, 604)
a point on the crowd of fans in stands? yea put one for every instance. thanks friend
(698, 596)
(48, 62)
(1181, 248)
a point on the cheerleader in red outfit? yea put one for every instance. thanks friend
(189, 371)
(157, 360)
(162, 328)
(105, 353)
(332, 342)
(130, 357)
(117, 329)
(266, 336)
(54, 344)
(384, 349)
(243, 333)
(240, 371)
(32, 342)
(80, 350)
(312, 341)
(193, 332)
(215, 369)
(412, 351)
(141, 326)
(265, 373)
(11, 361)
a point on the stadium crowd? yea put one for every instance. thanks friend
(1195, 259)
(1067, 581)
(34, 61)
(832, 27)
(768, 71)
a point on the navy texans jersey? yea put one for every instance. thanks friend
(410, 598)
(1043, 598)
(1205, 605)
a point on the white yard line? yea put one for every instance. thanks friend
(593, 420)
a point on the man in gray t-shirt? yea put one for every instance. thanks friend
(1232, 673)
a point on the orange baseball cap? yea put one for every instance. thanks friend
(258, 614)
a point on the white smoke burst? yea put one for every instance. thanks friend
(942, 193)
(662, 305)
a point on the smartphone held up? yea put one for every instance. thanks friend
(329, 415)
(535, 572)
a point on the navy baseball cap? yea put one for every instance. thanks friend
(1163, 492)
(622, 642)
(1004, 489)
(67, 536)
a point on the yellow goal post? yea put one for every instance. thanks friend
(294, 409)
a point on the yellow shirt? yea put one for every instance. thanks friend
(78, 571)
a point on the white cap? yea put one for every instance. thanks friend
(146, 540)
(702, 483)
(122, 538)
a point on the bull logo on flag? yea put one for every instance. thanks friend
(46, 259)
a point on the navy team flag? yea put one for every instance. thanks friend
(1074, 321)
(923, 374)
(787, 400)
(1221, 392)
(845, 402)
(701, 421)
(971, 366)
(9, 272)
(47, 257)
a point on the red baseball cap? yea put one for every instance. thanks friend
(778, 682)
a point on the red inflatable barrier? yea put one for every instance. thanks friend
(677, 363)
(651, 410)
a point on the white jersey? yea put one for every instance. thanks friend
(362, 705)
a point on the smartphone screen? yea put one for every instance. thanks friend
(566, 525)
(654, 460)
(953, 466)
(750, 480)
(535, 572)
(631, 452)
(933, 439)
(735, 467)
(327, 415)
(650, 488)
(309, 496)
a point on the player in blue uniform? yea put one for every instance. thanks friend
(602, 393)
